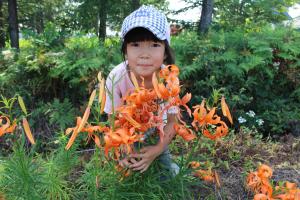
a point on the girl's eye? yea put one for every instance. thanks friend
(134, 44)
(156, 45)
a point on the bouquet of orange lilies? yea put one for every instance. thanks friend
(142, 110)
(259, 183)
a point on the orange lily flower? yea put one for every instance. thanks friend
(182, 102)
(6, 128)
(266, 187)
(199, 114)
(261, 197)
(89, 129)
(259, 183)
(208, 175)
(184, 132)
(254, 182)
(172, 88)
(85, 117)
(127, 113)
(203, 119)
(194, 164)
(169, 70)
(78, 128)
(264, 171)
(121, 136)
(289, 191)
(163, 91)
(112, 140)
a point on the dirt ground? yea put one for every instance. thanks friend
(282, 156)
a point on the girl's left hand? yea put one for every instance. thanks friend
(145, 157)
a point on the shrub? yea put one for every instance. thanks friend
(258, 70)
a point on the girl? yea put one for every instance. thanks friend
(146, 48)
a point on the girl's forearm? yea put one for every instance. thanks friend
(169, 132)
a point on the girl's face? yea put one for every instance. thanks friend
(145, 57)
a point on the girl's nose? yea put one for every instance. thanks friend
(145, 53)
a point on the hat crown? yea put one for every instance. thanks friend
(150, 18)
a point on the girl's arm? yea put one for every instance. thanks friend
(149, 153)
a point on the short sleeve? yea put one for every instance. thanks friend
(118, 84)
(112, 91)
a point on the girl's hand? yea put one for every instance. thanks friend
(127, 162)
(145, 157)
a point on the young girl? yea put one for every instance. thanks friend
(146, 48)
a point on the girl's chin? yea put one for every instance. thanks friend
(145, 73)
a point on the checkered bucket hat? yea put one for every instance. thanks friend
(150, 18)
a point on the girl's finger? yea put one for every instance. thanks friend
(137, 164)
(124, 163)
(141, 168)
(132, 160)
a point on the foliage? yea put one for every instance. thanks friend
(22, 172)
(102, 180)
(82, 57)
(46, 70)
(256, 68)
(58, 114)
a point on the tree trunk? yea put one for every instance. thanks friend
(13, 24)
(206, 16)
(2, 32)
(102, 10)
(39, 22)
(135, 4)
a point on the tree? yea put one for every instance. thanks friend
(35, 14)
(13, 27)
(232, 13)
(206, 15)
(96, 15)
(2, 32)
(228, 14)
(102, 12)
(135, 4)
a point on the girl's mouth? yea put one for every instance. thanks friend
(144, 65)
